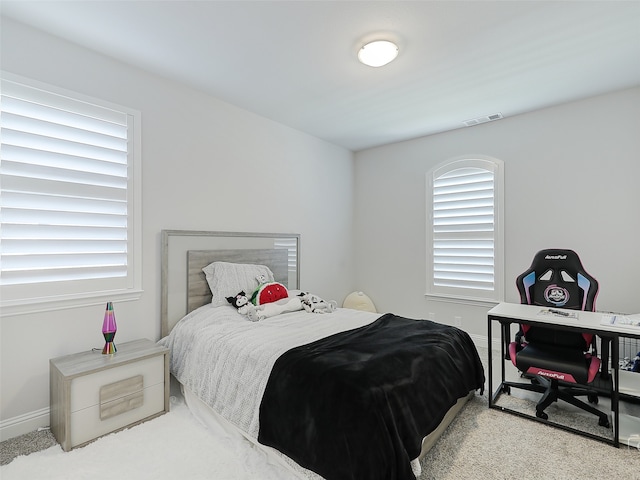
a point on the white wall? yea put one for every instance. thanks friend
(206, 166)
(572, 176)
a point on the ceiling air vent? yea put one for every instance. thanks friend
(485, 119)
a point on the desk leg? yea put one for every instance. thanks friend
(615, 395)
(604, 356)
(490, 360)
(505, 327)
(505, 334)
(505, 338)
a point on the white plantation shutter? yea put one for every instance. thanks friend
(291, 245)
(465, 251)
(67, 202)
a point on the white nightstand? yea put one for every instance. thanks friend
(94, 394)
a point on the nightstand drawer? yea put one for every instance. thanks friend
(87, 425)
(85, 390)
(122, 396)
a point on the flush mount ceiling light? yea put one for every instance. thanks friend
(378, 53)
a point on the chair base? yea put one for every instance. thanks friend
(552, 392)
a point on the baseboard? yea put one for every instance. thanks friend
(12, 427)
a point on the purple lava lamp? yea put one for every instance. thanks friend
(109, 329)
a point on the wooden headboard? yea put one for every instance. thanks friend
(198, 292)
(186, 252)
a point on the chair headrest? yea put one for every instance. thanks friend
(557, 278)
(556, 259)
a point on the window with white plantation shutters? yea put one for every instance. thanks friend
(464, 255)
(291, 245)
(67, 207)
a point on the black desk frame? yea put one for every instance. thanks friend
(614, 383)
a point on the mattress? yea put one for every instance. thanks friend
(226, 360)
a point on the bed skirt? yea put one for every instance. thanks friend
(216, 423)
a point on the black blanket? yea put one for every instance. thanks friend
(356, 405)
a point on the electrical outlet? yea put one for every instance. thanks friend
(432, 316)
(457, 321)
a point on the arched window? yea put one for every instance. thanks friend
(464, 230)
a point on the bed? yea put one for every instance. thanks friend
(346, 394)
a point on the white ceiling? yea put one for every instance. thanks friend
(295, 62)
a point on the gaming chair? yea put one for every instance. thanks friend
(557, 361)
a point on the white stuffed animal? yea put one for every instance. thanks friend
(314, 304)
(267, 310)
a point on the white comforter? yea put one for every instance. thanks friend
(226, 360)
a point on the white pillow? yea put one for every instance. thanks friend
(228, 279)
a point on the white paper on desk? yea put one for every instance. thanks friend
(632, 320)
(635, 318)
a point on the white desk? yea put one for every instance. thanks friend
(588, 322)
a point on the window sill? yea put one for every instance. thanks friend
(476, 302)
(48, 304)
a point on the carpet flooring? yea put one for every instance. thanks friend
(480, 444)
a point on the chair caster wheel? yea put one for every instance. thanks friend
(593, 398)
(542, 415)
(604, 422)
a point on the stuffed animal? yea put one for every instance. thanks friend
(255, 314)
(268, 310)
(314, 304)
(269, 292)
(242, 303)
